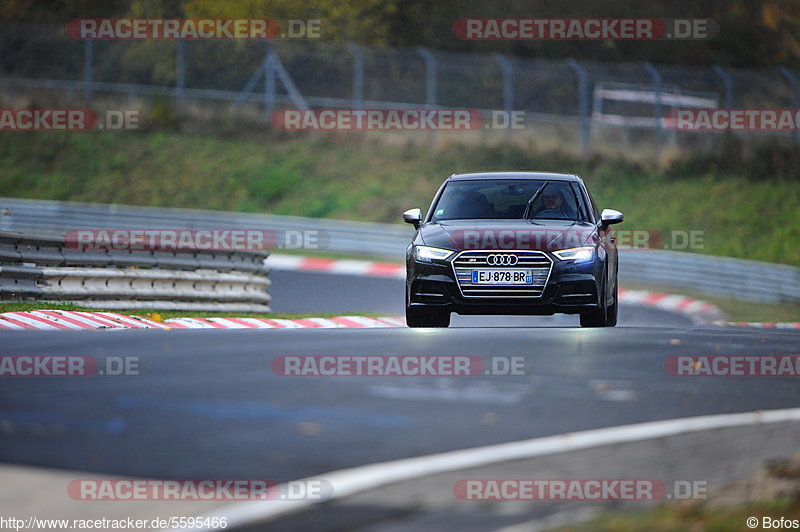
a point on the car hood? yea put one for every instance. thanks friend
(539, 235)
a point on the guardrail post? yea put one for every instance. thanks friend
(583, 103)
(430, 76)
(357, 101)
(794, 98)
(656, 75)
(87, 70)
(180, 70)
(727, 84)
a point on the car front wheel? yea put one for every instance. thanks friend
(604, 316)
(611, 313)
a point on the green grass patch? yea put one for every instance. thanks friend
(27, 307)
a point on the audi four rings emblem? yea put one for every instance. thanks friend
(502, 260)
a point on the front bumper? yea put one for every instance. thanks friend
(571, 288)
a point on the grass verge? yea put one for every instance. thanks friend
(374, 179)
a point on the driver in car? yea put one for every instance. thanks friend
(553, 200)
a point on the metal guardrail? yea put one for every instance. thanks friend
(744, 280)
(57, 217)
(45, 267)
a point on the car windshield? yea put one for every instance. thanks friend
(505, 199)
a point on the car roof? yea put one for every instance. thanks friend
(515, 175)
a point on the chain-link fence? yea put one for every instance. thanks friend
(586, 102)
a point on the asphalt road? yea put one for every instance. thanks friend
(206, 403)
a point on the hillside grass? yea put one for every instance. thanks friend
(366, 177)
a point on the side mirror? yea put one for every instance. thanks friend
(413, 216)
(610, 216)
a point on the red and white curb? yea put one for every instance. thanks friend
(699, 311)
(361, 268)
(761, 324)
(71, 320)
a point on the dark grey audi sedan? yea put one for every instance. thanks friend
(529, 243)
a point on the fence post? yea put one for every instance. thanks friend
(727, 83)
(583, 103)
(180, 71)
(794, 84)
(358, 76)
(430, 76)
(253, 81)
(656, 75)
(87, 70)
(269, 85)
(507, 68)
(727, 94)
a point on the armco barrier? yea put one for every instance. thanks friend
(56, 217)
(744, 280)
(44, 268)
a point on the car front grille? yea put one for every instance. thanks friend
(537, 262)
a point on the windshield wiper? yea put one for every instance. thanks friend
(533, 198)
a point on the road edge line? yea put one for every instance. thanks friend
(351, 481)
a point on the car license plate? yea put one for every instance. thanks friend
(502, 276)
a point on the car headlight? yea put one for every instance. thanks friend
(575, 254)
(427, 254)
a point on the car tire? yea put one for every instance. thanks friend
(611, 313)
(422, 317)
(605, 316)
